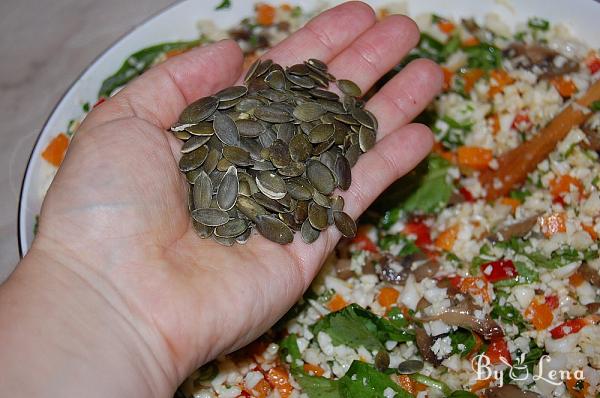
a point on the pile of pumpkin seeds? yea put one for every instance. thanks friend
(269, 154)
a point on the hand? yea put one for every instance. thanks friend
(115, 220)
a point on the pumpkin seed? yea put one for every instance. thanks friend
(298, 191)
(366, 138)
(182, 135)
(226, 129)
(194, 143)
(274, 229)
(309, 234)
(300, 148)
(249, 128)
(321, 133)
(250, 208)
(202, 128)
(237, 156)
(343, 173)
(382, 361)
(309, 111)
(276, 80)
(320, 176)
(337, 203)
(271, 185)
(349, 87)
(231, 93)
(317, 215)
(199, 110)
(202, 230)
(210, 216)
(193, 160)
(345, 224)
(317, 64)
(202, 191)
(228, 189)
(231, 228)
(272, 114)
(410, 366)
(298, 70)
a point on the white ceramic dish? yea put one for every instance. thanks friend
(179, 22)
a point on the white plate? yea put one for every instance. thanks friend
(179, 22)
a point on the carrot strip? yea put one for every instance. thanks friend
(515, 165)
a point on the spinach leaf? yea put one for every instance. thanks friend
(364, 381)
(224, 4)
(317, 387)
(139, 62)
(355, 326)
(558, 258)
(289, 346)
(397, 318)
(483, 56)
(464, 338)
(434, 190)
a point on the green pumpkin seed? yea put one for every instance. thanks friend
(298, 190)
(202, 230)
(232, 93)
(199, 110)
(410, 366)
(352, 154)
(210, 216)
(328, 95)
(337, 203)
(300, 148)
(320, 176)
(237, 156)
(192, 160)
(274, 230)
(343, 173)
(382, 361)
(251, 73)
(202, 128)
(211, 161)
(231, 228)
(182, 135)
(228, 189)
(272, 114)
(366, 138)
(301, 211)
(194, 143)
(345, 224)
(309, 233)
(298, 70)
(294, 169)
(243, 238)
(301, 81)
(362, 117)
(202, 191)
(309, 111)
(321, 199)
(279, 154)
(349, 87)
(317, 215)
(317, 64)
(250, 208)
(321, 133)
(271, 185)
(226, 129)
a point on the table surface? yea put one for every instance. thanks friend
(42, 53)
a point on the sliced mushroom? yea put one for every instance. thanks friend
(516, 230)
(343, 270)
(395, 269)
(589, 274)
(426, 270)
(593, 307)
(463, 315)
(593, 138)
(529, 55)
(422, 304)
(509, 391)
(424, 343)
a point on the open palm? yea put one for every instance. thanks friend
(118, 205)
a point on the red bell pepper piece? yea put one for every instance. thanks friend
(498, 270)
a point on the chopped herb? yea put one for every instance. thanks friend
(431, 382)
(70, 130)
(520, 36)
(390, 218)
(454, 135)
(289, 346)
(296, 12)
(508, 314)
(595, 106)
(224, 4)
(462, 341)
(484, 56)
(355, 326)
(397, 318)
(452, 257)
(86, 107)
(353, 384)
(317, 387)
(520, 195)
(536, 23)
(451, 46)
(398, 244)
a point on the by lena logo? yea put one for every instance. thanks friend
(518, 370)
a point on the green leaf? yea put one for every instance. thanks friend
(364, 381)
(595, 106)
(434, 191)
(537, 23)
(520, 195)
(400, 242)
(137, 63)
(484, 56)
(224, 4)
(317, 387)
(397, 318)
(355, 326)
(508, 314)
(289, 346)
(462, 337)
(86, 107)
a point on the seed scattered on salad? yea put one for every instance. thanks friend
(270, 154)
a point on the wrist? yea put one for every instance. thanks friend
(60, 322)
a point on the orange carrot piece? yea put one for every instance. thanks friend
(564, 86)
(55, 151)
(265, 14)
(445, 240)
(475, 286)
(576, 279)
(279, 379)
(499, 78)
(314, 369)
(562, 184)
(590, 230)
(388, 296)
(446, 26)
(481, 384)
(514, 203)
(471, 78)
(575, 391)
(474, 157)
(336, 303)
(447, 77)
(470, 41)
(262, 389)
(406, 383)
(539, 314)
